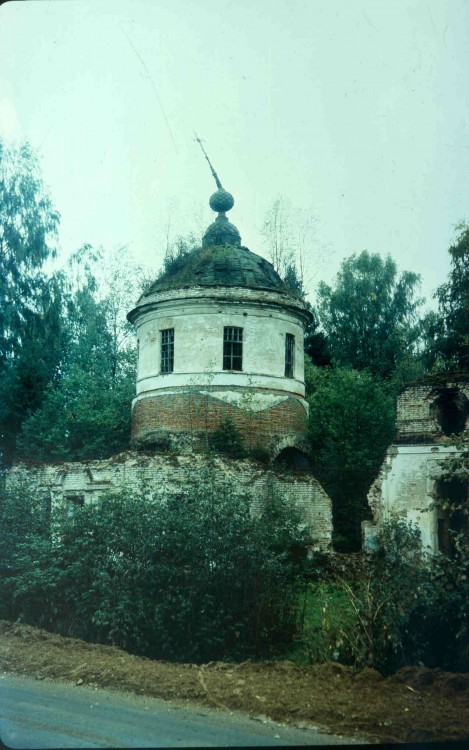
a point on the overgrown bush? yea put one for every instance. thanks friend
(450, 572)
(228, 439)
(400, 606)
(325, 614)
(385, 596)
(24, 519)
(196, 576)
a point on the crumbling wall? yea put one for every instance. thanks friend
(429, 414)
(405, 489)
(163, 473)
(417, 417)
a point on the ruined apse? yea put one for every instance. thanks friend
(220, 335)
(432, 429)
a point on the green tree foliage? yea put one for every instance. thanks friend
(31, 342)
(28, 227)
(23, 517)
(195, 576)
(449, 330)
(316, 344)
(370, 315)
(86, 412)
(177, 252)
(87, 416)
(351, 423)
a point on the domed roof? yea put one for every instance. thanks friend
(221, 265)
(221, 261)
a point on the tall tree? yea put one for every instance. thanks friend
(450, 346)
(29, 305)
(351, 423)
(370, 316)
(290, 237)
(28, 229)
(86, 414)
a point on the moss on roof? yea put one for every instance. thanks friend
(221, 265)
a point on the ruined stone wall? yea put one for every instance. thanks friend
(405, 489)
(167, 473)
(428, 413)
(416, 420)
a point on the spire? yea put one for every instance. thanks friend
(221, 232)
(215, 176)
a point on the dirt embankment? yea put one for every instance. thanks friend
(416, 704)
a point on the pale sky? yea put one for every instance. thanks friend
(356, 110)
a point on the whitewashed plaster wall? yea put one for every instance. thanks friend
(198, 324)
(404, 488)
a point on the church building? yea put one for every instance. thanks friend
(220, 344)
(220, 335)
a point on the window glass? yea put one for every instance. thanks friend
(232, 348)
(167, 350)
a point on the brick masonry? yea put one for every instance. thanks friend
(416, 421)
(193, 415)
(161, 474)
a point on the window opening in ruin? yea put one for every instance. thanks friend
(450, 410)
(452, 501)
(167, 350)
(292, 459)
(74, 501)
(232, 348)
(289, 355)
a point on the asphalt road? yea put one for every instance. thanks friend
(48, 714)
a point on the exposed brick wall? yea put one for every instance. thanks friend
(415, 421)
(162, 474)
(195, 415)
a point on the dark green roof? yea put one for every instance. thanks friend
(221, 265)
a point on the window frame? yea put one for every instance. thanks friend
(289, 355)
(232, 349)
(166, 351)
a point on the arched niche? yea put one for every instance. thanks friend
(292, 459)
(450, 409)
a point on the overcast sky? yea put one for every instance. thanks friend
(355, 110)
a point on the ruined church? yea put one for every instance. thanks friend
(221, 336)
(221, 342)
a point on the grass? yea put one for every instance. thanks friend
(325, 617)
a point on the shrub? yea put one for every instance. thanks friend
(368, 618)
(227, 439)
(193, 576)
(400, 607)
(24, 518)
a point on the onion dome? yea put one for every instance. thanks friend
(222, 231)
